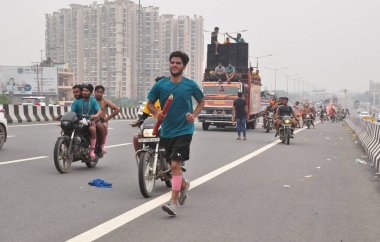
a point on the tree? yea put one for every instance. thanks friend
(4, 99)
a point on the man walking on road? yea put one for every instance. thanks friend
(177, 127)
(240, 115)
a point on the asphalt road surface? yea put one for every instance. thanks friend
(254, 190)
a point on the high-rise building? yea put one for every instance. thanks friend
(116, 45)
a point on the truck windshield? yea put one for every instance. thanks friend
(212, 90)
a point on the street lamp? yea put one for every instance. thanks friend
(287, 81)
(275, 76)
(257, 59)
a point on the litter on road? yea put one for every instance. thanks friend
(328, 159)
(308, 176)
(286, 186)
(318, 167)
(359, 161)
(100, 183)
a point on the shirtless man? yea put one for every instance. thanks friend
(104, 117)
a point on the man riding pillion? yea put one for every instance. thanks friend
(178, 124)
(104, 117)
(89, 110)
(284, 110)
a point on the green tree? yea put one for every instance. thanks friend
(4, 99)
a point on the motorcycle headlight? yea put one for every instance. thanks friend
(287, 121)
(148, 133)
(65, 123)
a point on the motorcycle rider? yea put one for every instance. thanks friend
(177, 127)
(268, 109)
(307, 110)
(297, 110)
(77, 91)
(104, 117)
(284, 110)
(89, 110)
(146, 112)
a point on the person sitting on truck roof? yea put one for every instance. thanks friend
(238, 38)
(230, 72)
(220, 72)
(227, 41)
(256, 76)
(214, 39)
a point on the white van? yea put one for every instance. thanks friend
(33, 101)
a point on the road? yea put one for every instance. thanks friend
(254, 190)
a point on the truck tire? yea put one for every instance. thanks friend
(205, 126)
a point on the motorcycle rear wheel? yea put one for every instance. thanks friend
(62, 160)
(146, 181)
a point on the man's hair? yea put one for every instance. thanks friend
(239, 34)
(240, 94)
(77, 86)
(99, 87)
(184, 57)
(216, 28)
(89, 87)
(159, 78)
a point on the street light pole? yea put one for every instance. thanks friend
(275, 76)
(257, 59)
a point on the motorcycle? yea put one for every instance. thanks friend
(150, 159)
(308, 120)
(269, 122)
(74, 143)
(286, 129)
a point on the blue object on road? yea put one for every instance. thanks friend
(100, 183)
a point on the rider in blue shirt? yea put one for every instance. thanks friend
(88, 108)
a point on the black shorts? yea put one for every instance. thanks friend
(177, 148)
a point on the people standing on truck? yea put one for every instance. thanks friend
(240, 115)
(220, 72)
(230, 72)
(177, 126)
(238, 38)
(214, 39)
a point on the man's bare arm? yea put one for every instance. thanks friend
(115, 109)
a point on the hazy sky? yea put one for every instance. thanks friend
(331, 44)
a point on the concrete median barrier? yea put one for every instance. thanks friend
(368, 135)
(31, 114)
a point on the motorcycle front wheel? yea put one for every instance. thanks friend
(287, 136)
(146, 179)
(62, 159)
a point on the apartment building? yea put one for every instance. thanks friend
(122, 45)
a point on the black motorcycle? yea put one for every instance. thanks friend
(286, 129)
(308, 120)
(269, 122)
(151, 161)
(74, 143)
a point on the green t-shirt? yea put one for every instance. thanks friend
(175, 123)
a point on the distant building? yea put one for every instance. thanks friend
(115, 45)
(374, 90)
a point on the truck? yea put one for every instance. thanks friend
(220, 93)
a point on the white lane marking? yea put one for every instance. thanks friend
(117, 222)
(43, 157)
(11, 136)
(30, 125)
(110, 128)
(112, 146)
(21, 160)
